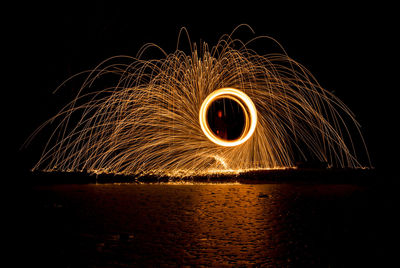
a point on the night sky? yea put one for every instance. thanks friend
(349, 49)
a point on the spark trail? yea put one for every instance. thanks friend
(150, 120)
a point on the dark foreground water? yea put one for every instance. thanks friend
(272, 225)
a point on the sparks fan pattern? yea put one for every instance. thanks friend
(148, 121)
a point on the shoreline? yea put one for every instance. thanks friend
(298, 175)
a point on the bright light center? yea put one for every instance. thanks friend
(249, 109)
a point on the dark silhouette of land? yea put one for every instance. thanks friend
(298, 175)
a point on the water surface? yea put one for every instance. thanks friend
(272, 225)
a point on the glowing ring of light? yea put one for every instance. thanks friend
(248, 107)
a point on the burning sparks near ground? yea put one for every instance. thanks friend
(155, 117)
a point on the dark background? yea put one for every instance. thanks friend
(350, 49)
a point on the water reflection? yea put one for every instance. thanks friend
(210, 225)
(233, 225)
